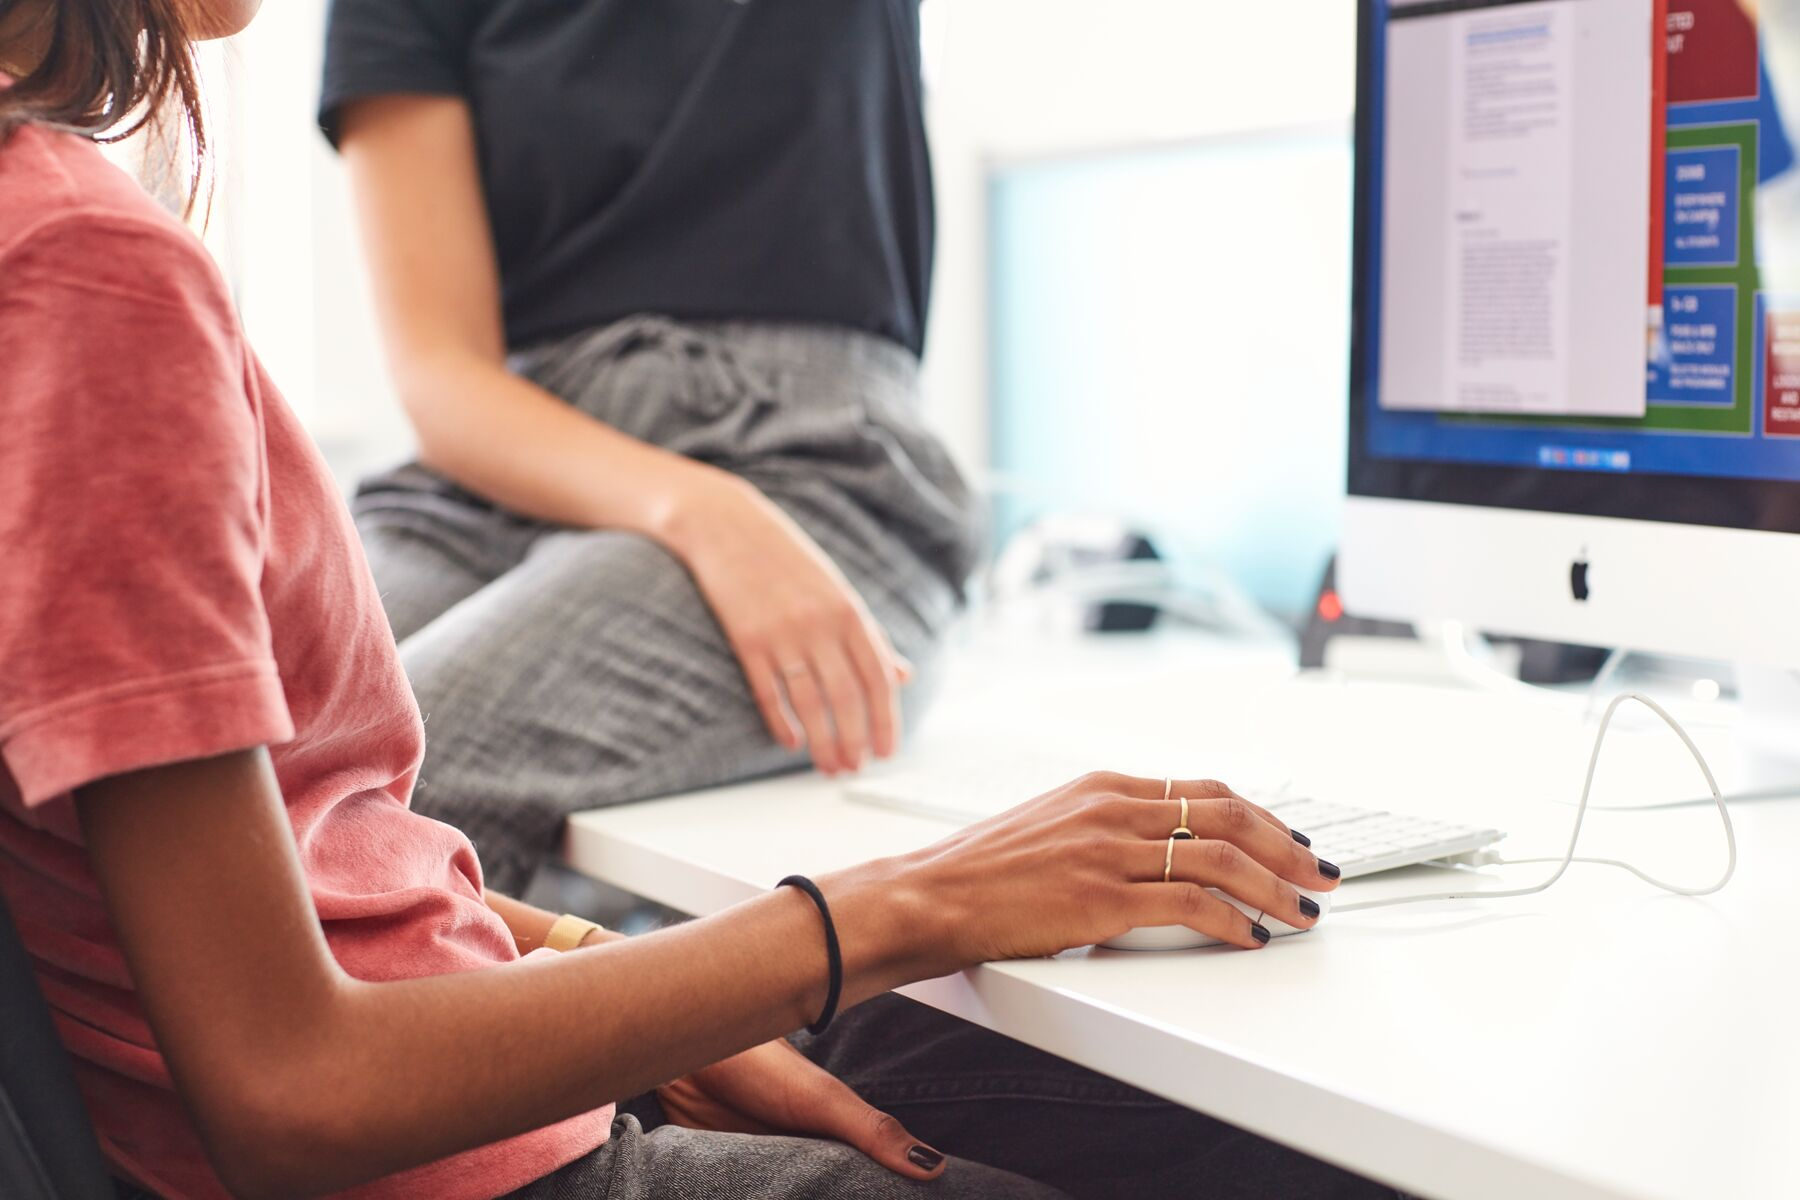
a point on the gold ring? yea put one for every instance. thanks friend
(1182, 831)
(1168, 785)
(1169, 859)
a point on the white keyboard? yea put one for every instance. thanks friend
(1361, 841)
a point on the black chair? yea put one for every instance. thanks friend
(47, 1147)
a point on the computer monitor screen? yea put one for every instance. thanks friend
(1575, 291)
(1574, 233)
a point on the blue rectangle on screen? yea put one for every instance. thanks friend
(1700, 321)
(1700, 207)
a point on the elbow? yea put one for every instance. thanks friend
(281, 1143)
(268, 1143)
(429, 390)
(290, 1125)
(249, 1175)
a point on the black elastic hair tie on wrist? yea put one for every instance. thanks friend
(834, 957)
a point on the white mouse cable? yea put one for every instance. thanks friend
(1568, 857)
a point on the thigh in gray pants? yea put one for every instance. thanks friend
(561, 669)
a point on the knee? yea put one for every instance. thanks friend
(460, 676)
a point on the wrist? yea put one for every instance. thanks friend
(889, 931)
(570, 932)
(685, 512)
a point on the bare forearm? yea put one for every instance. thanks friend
(416, 178)
(424, 1068)
(302, 1079)
(515, 444)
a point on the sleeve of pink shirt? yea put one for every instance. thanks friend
(132, 509)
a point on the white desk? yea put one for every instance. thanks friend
(1600, 1040)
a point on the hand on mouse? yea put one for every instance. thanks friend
(1077, 865)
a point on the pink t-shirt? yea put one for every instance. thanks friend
(182, 579)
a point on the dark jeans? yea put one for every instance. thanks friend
(1007, 1113)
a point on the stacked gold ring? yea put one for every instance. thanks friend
(1180, 833)
(1182, 830)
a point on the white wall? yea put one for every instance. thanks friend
(1025, 78)
(301, 282)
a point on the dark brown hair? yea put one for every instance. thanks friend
(110, 68)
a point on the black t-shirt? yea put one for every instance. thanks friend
(752, 159)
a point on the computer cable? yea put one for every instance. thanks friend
(1569, 857)
(1594, 690)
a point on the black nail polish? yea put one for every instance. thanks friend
(1309, 907)
(924, 1157)
(1300, 837)
(1328, 870)
(1260, 934)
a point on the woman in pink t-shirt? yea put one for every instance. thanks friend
(274, 978)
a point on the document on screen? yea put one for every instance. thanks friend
(1516, 208)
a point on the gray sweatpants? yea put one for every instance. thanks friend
(561, 669)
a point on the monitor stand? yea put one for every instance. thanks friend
(1751, 742)
(1766, 761)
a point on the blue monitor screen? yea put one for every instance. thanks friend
(1504, 196)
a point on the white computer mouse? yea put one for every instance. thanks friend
(1180, 937)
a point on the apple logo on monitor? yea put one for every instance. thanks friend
(1578, 578)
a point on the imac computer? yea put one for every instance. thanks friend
(1575, 363)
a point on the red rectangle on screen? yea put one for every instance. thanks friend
(1711, 51)
(1781, 374)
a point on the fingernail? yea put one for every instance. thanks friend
(924, 1157)
(1328, 870)
(1309, 907)
(1259, 933)
(1300, 837)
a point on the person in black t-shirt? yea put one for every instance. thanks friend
(652, 282)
